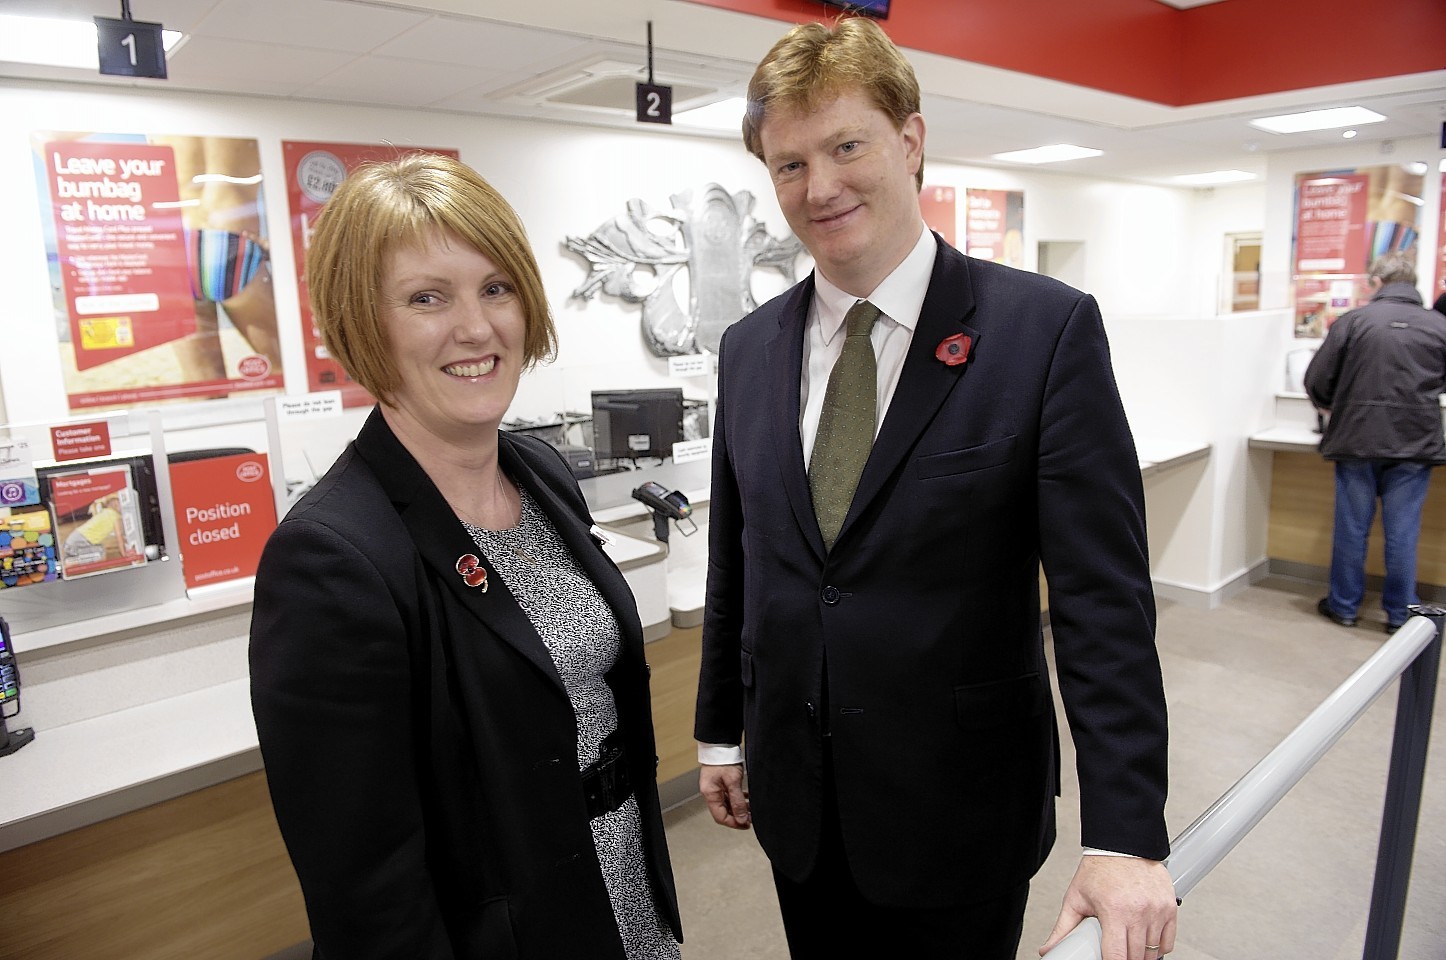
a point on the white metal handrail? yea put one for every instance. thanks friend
(1202, 845)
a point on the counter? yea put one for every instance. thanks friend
(177, 710)
(1302, 505)
(167, 740)
(1296, 429)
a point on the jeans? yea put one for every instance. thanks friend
(1401, 487)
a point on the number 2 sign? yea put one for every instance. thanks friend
(655, 103)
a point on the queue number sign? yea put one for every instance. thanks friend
(655, 103)
(130, 48)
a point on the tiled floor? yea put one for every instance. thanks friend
(1239, 678)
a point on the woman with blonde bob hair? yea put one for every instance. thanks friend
(447, 670)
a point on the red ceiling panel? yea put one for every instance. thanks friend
(1148, 50)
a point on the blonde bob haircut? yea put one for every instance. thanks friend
(814, 63)
(384, 206)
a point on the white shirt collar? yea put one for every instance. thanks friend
(900, 296)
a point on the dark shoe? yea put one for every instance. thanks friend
(1393, 627)
(1324, 608)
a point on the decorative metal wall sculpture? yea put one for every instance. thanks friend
(714, 236)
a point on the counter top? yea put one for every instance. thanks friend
(199, 601)
(83, 772)
(100, 767)
(96, 768)
(1159, 456)
(1289, 438)
(688, 558)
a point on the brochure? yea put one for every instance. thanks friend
(97, 520)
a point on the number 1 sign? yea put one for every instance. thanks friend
(130, 48)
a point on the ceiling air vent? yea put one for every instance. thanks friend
(609, 84)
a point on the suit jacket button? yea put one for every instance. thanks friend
(830, 595)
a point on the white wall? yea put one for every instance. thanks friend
(1209, 381)
(1153, 256)
(564, 180)
(1136, 238)
(1219, 212)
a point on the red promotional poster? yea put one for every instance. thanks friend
(1330, 227)
(1344, 221)
(159, 261)
(937, 204)
(1440, 286)
(119, 239)
(224, 513)
(994, 226)
(313, 172)
(97, 520)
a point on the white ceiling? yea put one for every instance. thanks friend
(535, 58)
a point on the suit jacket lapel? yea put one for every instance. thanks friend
(925, 381)
(784, 368)
(441, 541)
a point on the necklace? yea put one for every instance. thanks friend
(515, 541)
(502, 505)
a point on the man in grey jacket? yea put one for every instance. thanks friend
(1380, 374)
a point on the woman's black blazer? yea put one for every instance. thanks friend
(419, 745)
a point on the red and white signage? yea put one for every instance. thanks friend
(1330, 223)
(75, 441)
(225, 510)
(118, 234)
(313, 172)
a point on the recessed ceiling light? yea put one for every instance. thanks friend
(1214, 177)
(1051, 154)
(1349, 134)
(1318, 120)
(726, 115)
(56, 43)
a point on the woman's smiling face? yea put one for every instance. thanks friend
(456, 330)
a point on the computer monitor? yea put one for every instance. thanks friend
(636, 424)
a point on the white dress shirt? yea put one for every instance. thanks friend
(900, 299)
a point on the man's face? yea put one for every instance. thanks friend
(845, 179)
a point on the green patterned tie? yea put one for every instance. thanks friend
(846, 425)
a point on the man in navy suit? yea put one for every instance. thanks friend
(873, 632)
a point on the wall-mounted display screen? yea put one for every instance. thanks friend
(871, 8)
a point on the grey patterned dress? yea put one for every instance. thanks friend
(578, 627)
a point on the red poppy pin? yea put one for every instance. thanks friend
(472, 571)
(954, 350)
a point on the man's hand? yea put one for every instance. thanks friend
(722, 789)
(1134, 901)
